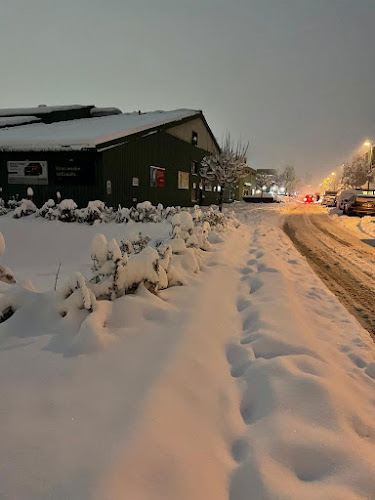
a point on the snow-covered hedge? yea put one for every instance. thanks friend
(120, 267)
(67, 211)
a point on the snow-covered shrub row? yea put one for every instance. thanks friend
(215, 218)
(145, 212)
(67, 211)
(118, 268)
(121, 267)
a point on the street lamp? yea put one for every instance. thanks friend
(371, 146)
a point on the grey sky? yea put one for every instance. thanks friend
(294, 77)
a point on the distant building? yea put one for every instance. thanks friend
(271, 172)
(247, 185)
(89, 153)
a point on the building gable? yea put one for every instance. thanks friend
(197, 132)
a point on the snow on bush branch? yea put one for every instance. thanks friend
(6, 274)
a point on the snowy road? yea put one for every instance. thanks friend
(344, 262)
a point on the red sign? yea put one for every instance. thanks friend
(160, 178)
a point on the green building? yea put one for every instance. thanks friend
(88, 153)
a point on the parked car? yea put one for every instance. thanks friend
(344, 196)
(329, 198)
(360, 204)
(34, 169)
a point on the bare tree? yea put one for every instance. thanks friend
(263, 181)
(225, 168)
(287, 178)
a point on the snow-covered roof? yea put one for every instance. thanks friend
(40, 110)
(12, 121)
(85, 133)
(105, 111)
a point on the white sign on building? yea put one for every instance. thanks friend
(27, 172)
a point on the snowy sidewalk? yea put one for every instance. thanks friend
(253, 382)
(305, 368)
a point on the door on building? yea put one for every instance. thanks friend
(194, 192)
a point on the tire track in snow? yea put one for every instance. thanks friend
(343, 264)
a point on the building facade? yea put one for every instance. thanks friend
(119, 158)
(246, 185)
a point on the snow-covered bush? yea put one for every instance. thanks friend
(165, 260)
(219, 220)
(64, 211)
(139, 243)
(116, 272)
(95, 211)
(46, 209)
(189, 231)
(6, 274)
(26, 207)
(199, 237)
(148, 213)
(197, 214)
(122, 214)
(14, 202)
(169, 212)
(98, 251)
(76, 293)
(3, 209)
(145, 212)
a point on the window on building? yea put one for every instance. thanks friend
(194, 138)
(194, 167)
(194, 197)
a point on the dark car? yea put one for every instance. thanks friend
(360, 204)
(34, 169)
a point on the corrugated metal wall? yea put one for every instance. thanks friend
(133, 160)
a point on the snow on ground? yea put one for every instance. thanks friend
(361, 226)
(252, 382)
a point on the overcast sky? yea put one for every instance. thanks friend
(294, 77)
